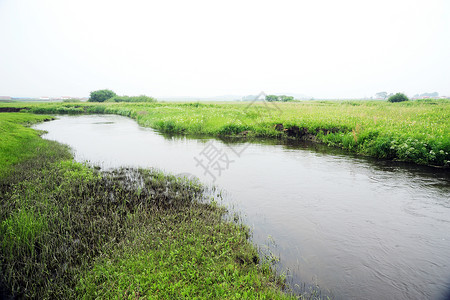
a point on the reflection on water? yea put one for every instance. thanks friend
(357, 227)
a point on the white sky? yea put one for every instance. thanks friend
(324, 49)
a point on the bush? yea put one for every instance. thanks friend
(282, 98)
(399, 97)
(101, 95)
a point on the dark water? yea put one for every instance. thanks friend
(356, 227)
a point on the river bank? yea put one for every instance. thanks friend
(413, 131)
(70, 231)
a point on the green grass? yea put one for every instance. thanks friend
(184, 260)
(413, 131)
(19, 143)
(70, 231)
(21, 231)
(141, 98)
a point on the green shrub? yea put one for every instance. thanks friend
(101, 95)
(399, 97)
(281, 98)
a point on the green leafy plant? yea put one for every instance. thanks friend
(399, 97)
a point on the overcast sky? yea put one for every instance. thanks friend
(324, 49)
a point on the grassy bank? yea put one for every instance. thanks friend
(70, 231)
(19, 143)
(413, 131)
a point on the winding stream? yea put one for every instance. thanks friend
(356, 227)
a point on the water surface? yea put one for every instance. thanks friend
(357, 227)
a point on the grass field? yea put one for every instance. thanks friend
(70, 231)
(414, 131)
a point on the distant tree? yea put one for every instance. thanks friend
(249, 97)
(281, 98)
(272, 98)
(399, 97)
(381, 95)
(435, 94)
(101, 95)
(285, 98)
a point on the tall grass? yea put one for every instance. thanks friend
(20, 232)
(141, 98)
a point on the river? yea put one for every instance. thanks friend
(356, 227)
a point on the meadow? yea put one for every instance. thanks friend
(68, 230)
(413, 131)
